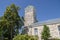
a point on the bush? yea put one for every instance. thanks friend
(54, 39)
(25, 37)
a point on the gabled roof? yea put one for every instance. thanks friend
(51, 21)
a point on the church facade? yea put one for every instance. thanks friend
(35, 28)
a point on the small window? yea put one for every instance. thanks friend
(35, 31)
(59, 29)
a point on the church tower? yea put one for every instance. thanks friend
(29, 15)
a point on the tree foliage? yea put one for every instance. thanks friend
(45, 33)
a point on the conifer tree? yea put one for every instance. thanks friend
(45, 33)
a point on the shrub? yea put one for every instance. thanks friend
(25, 37)
(54, 39)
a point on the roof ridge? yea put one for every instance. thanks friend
(57, 20)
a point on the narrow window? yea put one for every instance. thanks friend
(59, 29)
(35, 31)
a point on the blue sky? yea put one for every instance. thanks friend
(45, 9)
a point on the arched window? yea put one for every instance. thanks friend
(35, 31)
(59, 28)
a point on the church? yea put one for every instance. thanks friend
(35, 28)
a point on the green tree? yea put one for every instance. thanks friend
(45, 33)
(12, 21)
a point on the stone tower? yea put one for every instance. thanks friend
(29, 15)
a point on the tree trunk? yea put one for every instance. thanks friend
(2, 37)
(11, 34)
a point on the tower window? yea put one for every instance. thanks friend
(35, 31)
